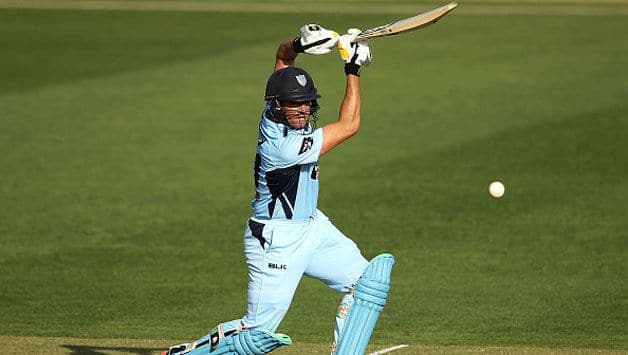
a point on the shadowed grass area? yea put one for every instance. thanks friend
(44, 48)
(73, 346)
(126, 172)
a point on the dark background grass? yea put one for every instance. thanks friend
(125, 175)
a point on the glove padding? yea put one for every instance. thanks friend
(356, 54)
(315, 40)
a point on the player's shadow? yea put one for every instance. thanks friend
(103, 350)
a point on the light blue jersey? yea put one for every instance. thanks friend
(286, 172)
(288, 237)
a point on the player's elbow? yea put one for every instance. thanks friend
(350, 129)
(354, 130)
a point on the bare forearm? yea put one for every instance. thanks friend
(285, 55)
(349, 118)
(351, 106)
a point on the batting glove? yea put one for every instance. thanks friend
(355, 54)
(315, 40)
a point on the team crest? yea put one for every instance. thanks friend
(301, 79)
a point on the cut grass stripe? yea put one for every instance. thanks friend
(529, 7)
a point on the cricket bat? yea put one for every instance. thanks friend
(409, 24)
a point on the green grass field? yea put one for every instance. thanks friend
(127, 141)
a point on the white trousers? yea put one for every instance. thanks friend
(279, 253)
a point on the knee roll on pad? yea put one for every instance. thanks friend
(369, 299)
(246, 342)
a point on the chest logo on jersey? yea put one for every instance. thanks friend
(307, 144)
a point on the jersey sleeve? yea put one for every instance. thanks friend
(297, 149)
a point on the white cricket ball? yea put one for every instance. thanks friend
(496, 189)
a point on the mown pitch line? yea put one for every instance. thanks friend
(388, 350)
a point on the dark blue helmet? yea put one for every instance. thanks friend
(291, 84)
(294, 85)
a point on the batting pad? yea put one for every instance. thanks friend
(370, 297)
(246, 342)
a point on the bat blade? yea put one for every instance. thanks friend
(409, 24)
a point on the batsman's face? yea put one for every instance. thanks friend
(296, 113)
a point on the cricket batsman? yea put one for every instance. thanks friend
(287, 236)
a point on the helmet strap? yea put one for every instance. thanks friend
(275, 112)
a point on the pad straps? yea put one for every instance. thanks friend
(246, 342)
(370, 297)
